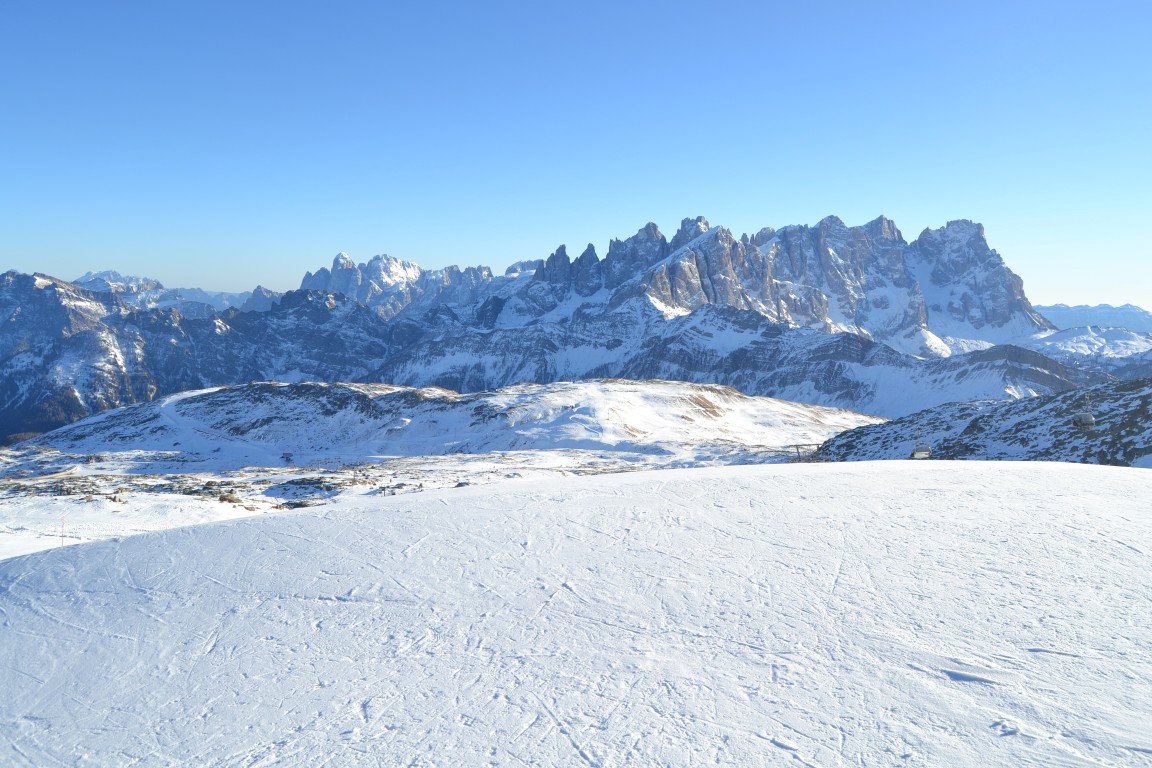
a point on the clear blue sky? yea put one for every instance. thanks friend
(221, 145)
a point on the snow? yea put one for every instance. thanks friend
(1091, 345)
(253, 425)
(35, 523)
(666, 311)
(1127, 316)
(219, 453)
(961, 614)
(1038, 428)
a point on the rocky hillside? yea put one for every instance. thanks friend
(1035, 429)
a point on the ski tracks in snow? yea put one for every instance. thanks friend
(831, 616)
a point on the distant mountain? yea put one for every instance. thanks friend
(946, 292)
(261, 300)
(1105, 315)
(1035, 429)
(72, 352)
(1110, 350)
(721, 345)
(146, 293)
(255, 424)
(110, 281)
(66, 352)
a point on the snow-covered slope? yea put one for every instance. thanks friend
(255, 424)
(964, 614)
(1127, 316)
(1036, 429)
(1116, 351)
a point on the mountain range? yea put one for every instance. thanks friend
(850, 317)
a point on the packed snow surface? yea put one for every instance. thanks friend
(888, 613)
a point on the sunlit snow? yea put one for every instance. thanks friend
(961, 614)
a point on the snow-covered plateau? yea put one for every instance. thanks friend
(884, 613)
(263, 447)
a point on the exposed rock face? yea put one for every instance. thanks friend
(946, 292)
(969, 291)
(628, 258)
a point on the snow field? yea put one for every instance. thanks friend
(254, 425)
(968, 614)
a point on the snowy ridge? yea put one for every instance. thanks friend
(947, 291)
(146, 293)
(1116, 351)
(1127, 316)
(255, 424)
(1035, 429)
(881, 614)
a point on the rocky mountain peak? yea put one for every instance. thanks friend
(763, 237)
(557, 267)
(883, 228)
(261, 300)
(690, 229)
(587, 272)
(831, 224)
(627, 258)
(113, 282)
(920, 298)
(388, 272)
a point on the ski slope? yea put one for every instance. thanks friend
(880, 614)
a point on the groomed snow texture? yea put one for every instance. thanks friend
(876, 614)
